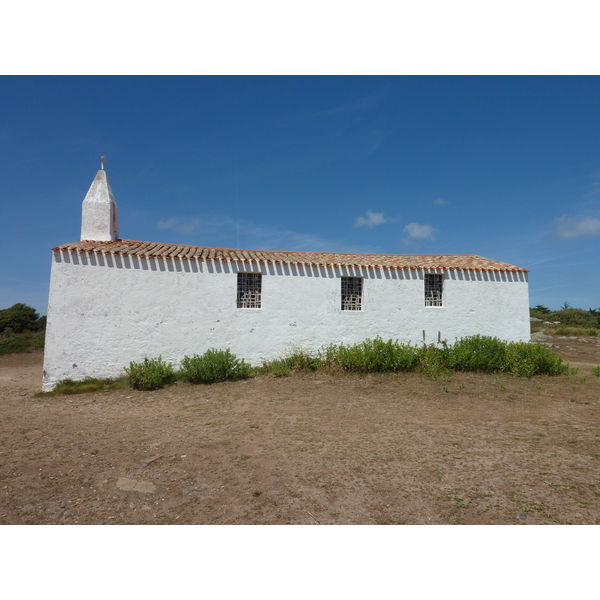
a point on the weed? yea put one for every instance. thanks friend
(89, 384)
(25, 342)
(596, 371)
(213, 366)
(575, 331)
(278, 368)
(372, 356)
(152, 374)
(296, 361)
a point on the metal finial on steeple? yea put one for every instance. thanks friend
(103, 161)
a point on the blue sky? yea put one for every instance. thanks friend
(507, 167)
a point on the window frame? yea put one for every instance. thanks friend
(249, 295)
(434, 297)
(348, 297)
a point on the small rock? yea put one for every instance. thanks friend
(522, 516)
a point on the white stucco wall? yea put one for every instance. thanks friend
(106, 311)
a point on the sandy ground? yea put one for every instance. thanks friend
(310, 449)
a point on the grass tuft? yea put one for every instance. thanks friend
(89, 384)
(296, 361)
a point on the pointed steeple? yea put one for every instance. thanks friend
(100, 216)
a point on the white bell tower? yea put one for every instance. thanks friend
(99, 214)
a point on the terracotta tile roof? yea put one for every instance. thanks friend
(470, 262)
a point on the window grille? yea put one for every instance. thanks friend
(433, 289)
(249, 289)
(352, 293)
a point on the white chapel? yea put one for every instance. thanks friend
(115, 300)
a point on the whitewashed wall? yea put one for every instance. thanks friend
(106, 311)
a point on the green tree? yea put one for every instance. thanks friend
(21, 318)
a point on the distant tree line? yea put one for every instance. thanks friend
(567, 315)
(20, 318)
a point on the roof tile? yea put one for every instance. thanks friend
(471, 262)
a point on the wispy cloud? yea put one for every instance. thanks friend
(372, 219)
(573, 227)
(225, 231)
(416, 232)
(440, 202)
(180, 226)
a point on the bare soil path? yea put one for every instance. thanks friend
(308, 449)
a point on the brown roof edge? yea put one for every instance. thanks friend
(446, 262)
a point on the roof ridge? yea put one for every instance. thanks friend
(151, 244)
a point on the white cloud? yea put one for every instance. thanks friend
(440, 202)
(418, 232)
(574, 227)
(371, 220)
(224, 231)
(180, 226)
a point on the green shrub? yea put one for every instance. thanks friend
(575, 331)
(277, 368)
(151, 374)
(296, 361)
(432, 360)
(525, 360)
(213, 366)
(596, 371)
(576, 317)
(372, 356)
(25, 342)
(477, 353)
(21, 319)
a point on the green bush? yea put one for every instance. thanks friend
(596, 371)
(277, 368)
(576, 317)
(26, 342)
(476, 353)
(525, 360)
(213, 366)
(297, 361)
(21, 318)
(432, 360)
(540, 312)
(151, 374)
(575, 331)
(372, 356)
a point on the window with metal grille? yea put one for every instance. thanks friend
(352, 293)
(433, 289)
(249, 288)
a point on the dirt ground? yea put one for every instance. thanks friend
(311, 449)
